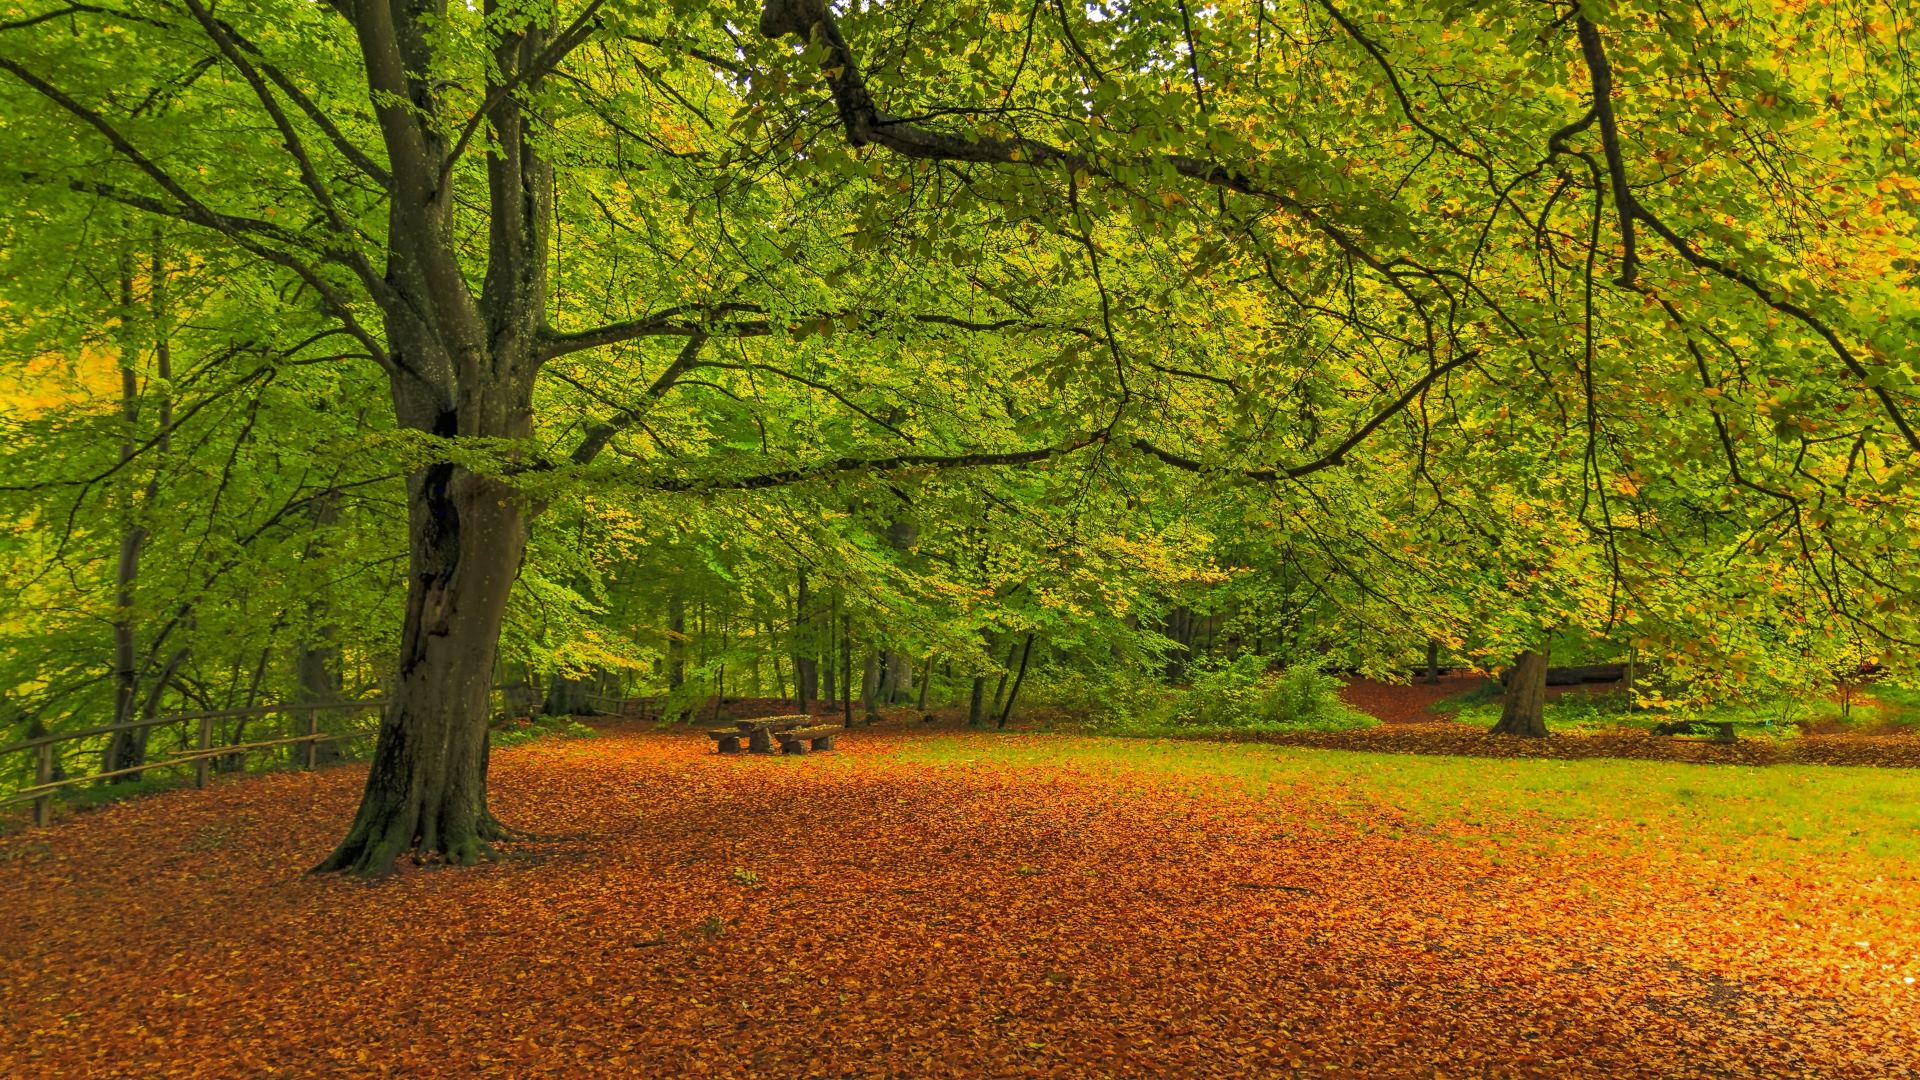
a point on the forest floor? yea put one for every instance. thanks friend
(932, 903)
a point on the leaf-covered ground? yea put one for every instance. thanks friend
(926, 904)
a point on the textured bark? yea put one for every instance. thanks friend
(1523, 712)
(460, 365)
(977, 704)
(426, 789)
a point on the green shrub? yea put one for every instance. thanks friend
(1225, 696)
(1110, 699)
(1243, 695)
(526, 730)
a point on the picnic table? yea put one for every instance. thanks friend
(761, 732)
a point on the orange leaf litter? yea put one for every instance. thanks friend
(858, 914)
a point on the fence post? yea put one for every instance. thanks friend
(204, 742)
(313, 744)
(43, 774)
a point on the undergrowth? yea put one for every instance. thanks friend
(1224, 697)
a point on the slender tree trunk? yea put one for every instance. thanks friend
(1026, 652)
(926, 680)
(871, 683)
(1524, 709)
(1433, 662)
(317, 674)
(846, 665)
(806, 668)
(126, 749)
(676, 640)
(977, 705)
(1000, 688)
(1632, 676)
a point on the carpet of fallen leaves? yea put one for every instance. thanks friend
(864, 914)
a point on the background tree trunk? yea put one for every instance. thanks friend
(568, 696)
(677, 641)
(1523, 712)
(1026, 653)
(871, 683)
(125, 749)
(806, 668)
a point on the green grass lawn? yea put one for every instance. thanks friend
(1854, 822)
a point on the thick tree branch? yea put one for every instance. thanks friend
(894, 463)
(1600, 76)
(1330, 459)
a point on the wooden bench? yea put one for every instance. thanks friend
(729, 741)
(796, 740)
(758, 732)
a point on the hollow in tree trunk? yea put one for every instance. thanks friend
(1523, 711)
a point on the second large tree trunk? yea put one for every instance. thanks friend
(426, 790)
(1524, 709)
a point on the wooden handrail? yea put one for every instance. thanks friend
(217, 714)
(40, 790)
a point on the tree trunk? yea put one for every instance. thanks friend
(1524, 709)
(1026, 652)
(806, 668)
(871, 683)
(568, 696)
(1433, 662)
(426, 789)
(1000, 688)
(125, 749)
(898, 681)
(677, 640)
(977, 705)
(846, 666)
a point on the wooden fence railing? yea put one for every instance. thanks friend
(200, 757)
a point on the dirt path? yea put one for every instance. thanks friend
(857, 914)
(1401, 703)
